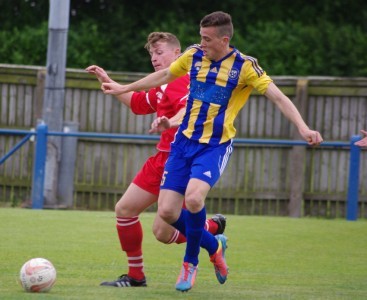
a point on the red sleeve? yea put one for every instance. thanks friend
(144, 103)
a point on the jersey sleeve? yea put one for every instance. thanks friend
(181, 65)
(144, 103)
(256, 76)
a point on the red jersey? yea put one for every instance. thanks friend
(165, 100)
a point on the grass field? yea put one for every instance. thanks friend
(269, 258)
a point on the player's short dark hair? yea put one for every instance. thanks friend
(167, 37)
(221, 20)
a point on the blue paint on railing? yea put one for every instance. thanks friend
(15, 148)
(39, 166)
(41, 152)
(352, 204)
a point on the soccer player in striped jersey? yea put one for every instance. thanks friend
(167, 100)
(221, 81)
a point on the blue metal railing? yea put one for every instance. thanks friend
(42, 132)
(15, 148)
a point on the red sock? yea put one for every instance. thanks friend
(211, 226)
(179, 238)
(130, 234)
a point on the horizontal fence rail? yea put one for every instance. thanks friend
(156, 138)
(42, 133)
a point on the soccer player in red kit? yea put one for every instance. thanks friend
(167, 100)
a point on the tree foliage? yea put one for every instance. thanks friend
(288, 37)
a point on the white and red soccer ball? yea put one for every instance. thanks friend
(37, 275)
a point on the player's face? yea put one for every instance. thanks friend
(162, 55)
(214, 46)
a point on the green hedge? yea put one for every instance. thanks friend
(288, 37)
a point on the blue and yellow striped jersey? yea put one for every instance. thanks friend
(218, 90)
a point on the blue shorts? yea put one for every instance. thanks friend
(191, 159)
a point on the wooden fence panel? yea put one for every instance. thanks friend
(257, 180)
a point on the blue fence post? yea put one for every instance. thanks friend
(352, 201)
(39, 166)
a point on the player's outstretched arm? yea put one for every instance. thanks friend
(100, 73)
(287, 107)
(150, 81)
(363, 141)
(103, 77)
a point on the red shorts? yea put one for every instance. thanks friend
(150, 175)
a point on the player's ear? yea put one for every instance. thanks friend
(225, 39)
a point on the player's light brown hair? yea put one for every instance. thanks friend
(166, 37)
(221, 20)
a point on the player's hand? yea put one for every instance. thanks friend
(113, 88)
(312, 137)
(160, 124)
(100, 73)
(362, 142)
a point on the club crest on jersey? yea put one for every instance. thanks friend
(233, 74)
(197, 66)
(159, 96)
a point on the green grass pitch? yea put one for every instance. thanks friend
(268, 257)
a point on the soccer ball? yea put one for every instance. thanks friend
(37, 275)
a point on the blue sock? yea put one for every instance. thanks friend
(208, 241)
(180, 224)
(194, 230)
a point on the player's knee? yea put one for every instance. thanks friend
(118, 208)
(124, 211)
(167, 214)
(194, 201)
(159, 234)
